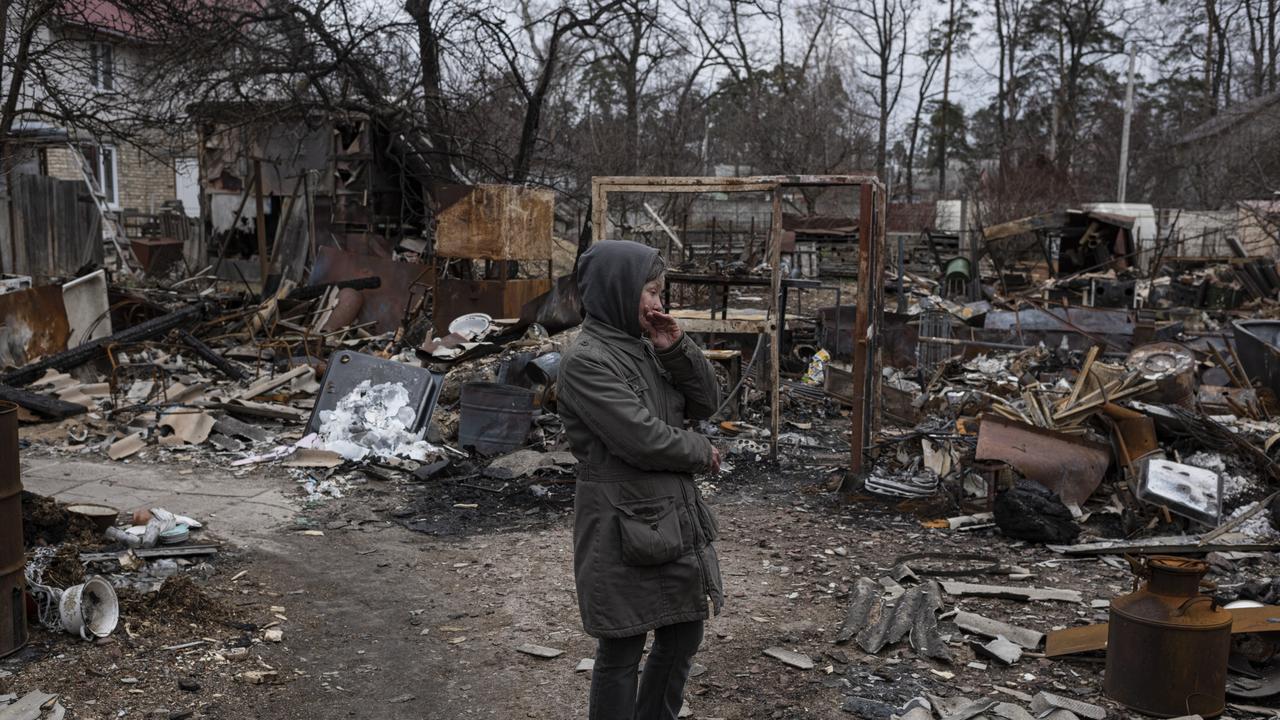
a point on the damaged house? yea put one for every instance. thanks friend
(81, 170)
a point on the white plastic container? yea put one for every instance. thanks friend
(90, 610)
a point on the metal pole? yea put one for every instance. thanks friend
(1124, 135)
(902, 295)
(263, 260)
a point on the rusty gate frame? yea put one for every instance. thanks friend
(871, 259)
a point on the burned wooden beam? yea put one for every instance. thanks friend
(82, 354)
(206, 353)
(311, 292)
(44, 404)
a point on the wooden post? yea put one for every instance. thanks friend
(862, 328)
(599, 210)
(775, 313)
(263, 260)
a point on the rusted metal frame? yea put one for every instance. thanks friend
(870, 297)
(734, 183)
(776, 313)
(871, 241)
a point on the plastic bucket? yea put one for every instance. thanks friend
(90, 609)
(495, 418)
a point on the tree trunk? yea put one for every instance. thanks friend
(1273, 10)
(883, 139)
(946, 100)
(1002, 130)
(533, 119)
(1210, 98)
(436, 110)
(632, 141)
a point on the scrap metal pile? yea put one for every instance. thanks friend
(1164, 420)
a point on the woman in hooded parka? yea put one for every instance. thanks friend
(642, 552)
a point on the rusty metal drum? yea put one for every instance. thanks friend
(1167, 644)
(13, 606)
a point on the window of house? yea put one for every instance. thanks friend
(102, 70)
(102, 160)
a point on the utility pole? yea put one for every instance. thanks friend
(946, 102)
(1124, 135)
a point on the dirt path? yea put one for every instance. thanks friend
(383, 622)
(388, 614)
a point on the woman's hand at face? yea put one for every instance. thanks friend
(663, 329)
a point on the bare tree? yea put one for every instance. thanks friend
(1261, 17)
(931, 55)
(881, 28)
(545, 55)
(1010, 30)
(1073, 39)
(955, 37)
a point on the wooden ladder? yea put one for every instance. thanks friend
(117, 252)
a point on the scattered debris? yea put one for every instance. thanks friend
(541, 651)
(794, 659)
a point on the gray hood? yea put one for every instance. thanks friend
(611, 275)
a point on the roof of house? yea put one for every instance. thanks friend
(107, 16)
(1231, 117)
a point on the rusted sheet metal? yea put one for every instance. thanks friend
(1171, 366)
(1258, 343)
(495, 222)
(497, 298)
(1101, 321)
(13, 624)
(1135, 436)
(868, 321)
(1070, 467)
(385, 304)
(33, 324)
(1220, 400)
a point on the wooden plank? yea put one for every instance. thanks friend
(268, 384)
(711, 188)
(599, 210)
(657, 218)
(722, 326)
(1094, 637)
(1082, 378)
(704, 181)
(159, 552)
(1021, 226)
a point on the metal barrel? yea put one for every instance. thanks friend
(495, 418)
(13, 606)
(544, 369)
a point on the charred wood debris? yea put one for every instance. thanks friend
(1097, 410)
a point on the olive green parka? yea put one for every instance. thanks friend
(642, 535)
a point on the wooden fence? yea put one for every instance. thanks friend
(48, 227)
